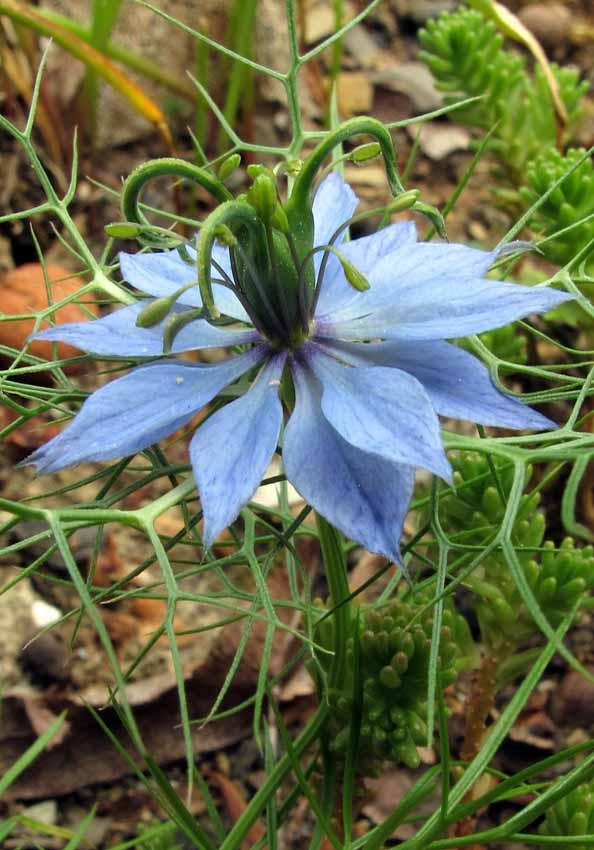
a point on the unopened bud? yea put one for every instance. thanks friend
(263, 197)
(228, 166)
(389, 677)
(123, 229)
(256, 169)
(154, 312)
(403, 202)
(364, 153)
(356, 278)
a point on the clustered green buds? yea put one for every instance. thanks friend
(465, 54)
(571, 815)
(569, 205)
(559, 577)
(395, 645)
(472, 512)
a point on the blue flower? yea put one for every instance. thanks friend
(371, 373)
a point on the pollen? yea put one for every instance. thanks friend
(179, 380)
(274, 383)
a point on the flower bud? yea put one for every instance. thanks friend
(263, 197)
(256, 169)
(294, 167)
(123, 229)
(356, 278)
(154, 312)
(364, 153)
(403, 202)
(548, 589)
(228, 166)
(389, 677)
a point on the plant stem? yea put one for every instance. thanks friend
(480, 704)
(336, 576)
(270, 786)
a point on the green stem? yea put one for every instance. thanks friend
(229, 211)
(336, 60)
(272, 783)
(149, 513)
(104, 17)
(290, 81)
(333, 555)
(202, 65)
(166, 167)
(336, 576)
(354, 127)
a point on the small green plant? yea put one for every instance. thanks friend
(465, 53)
(571, 815)
(559, 577)
(395, 646)
(165, 836)
(570, 205)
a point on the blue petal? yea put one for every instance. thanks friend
(441, 308)
(117, 335)
(458, 384)
(363, 495)
(417, 265)
(231, 451)
(162, 272)
(365, 253)
(333, 204)
(139, 409)
(381, 410)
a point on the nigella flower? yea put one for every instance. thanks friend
(371, 370)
